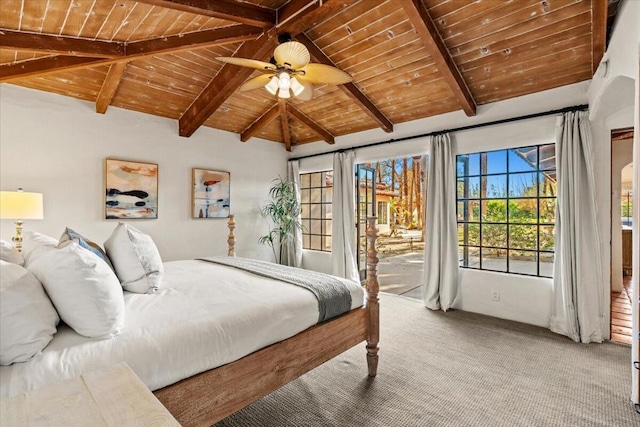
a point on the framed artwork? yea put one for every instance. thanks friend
(131, 190)
(210, 193)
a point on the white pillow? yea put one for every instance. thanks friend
(27, 318)
(135, 258)
(84, 290)
(10, 254)
(36, 244)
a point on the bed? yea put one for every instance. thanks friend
(202, 367)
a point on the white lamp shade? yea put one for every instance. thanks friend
(21, 205)
(272, 86)
(296, 87)
(284, 93)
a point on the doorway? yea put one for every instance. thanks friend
(622, 198)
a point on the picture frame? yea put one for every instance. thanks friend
(210, 193)
(131, 190)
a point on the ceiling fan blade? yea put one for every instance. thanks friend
(307, 93)
(255, 83)
(293, 55)
(323, 74)
(245, 62)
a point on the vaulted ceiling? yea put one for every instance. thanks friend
(409, 59)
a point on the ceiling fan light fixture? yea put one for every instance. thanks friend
(284, 93)
(284, 80)
(272, 86)
(296, 87)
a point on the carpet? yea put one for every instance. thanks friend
(457, 369)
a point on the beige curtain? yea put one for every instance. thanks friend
(577, 306)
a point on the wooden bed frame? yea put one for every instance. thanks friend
(212, 395)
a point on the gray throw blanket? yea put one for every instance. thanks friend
(333, 296)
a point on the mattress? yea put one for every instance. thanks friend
(203, 316)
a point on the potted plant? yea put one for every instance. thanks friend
(283, 211)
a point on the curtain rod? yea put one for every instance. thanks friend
(458, 129)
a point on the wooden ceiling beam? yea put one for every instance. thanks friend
(229, 10)
(348, 88)
(284, 120)
(307, 14)
(110, 86)
(60, 45)
(230, 77)
(262, 121)
(44, 66)
(428, 32)
(598, 31)
(136, 50)
(324, 134)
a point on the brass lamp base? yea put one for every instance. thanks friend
(17, 239)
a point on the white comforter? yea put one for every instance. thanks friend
(203, 316)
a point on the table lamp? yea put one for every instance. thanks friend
(20, 205)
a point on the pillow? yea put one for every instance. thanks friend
(135, 258)
(84, 290)
(71, 236)
(35, 244)
(27, 318)
(10, 254)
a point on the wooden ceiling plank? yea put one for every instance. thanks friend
(515, 27)
(429, 34)
(200, 39)
(519, 51)
(47, 65)
(231, 76)
(110, 86)
(324, 134)
(61, 45)
(262, 121)
(230, 10)
(349, 88)
(284, 120)
(598, 31)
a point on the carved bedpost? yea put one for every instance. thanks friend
(373, 302)
(231, 241)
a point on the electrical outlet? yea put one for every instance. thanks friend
(495, 295)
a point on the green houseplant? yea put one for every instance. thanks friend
(283, 213)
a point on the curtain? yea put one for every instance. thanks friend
(343, 220)
(577, 306)
(292, 254)
(440, 275)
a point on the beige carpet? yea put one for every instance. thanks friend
(457, 369)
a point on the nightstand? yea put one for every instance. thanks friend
(112, 396)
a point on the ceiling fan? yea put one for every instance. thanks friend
(289, 71)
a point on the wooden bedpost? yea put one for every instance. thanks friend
(373, 302)
(231, 241)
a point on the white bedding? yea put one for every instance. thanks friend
(203, 316)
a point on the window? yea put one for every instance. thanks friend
(316, 190)
(506, 202)
(627, 208)
(382, 213)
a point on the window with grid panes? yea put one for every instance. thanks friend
(506, 207)
(316, 190)
(382, 213)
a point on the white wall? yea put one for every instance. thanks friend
(524, 299)
(57, 145)
(621, 156)
(612, 107)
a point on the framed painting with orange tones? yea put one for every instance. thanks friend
(131, 190)
(210, 195)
